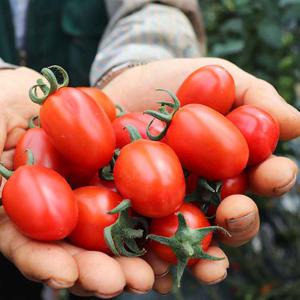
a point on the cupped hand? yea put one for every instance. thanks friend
(135, 90)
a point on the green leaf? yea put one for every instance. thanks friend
(230, 47)
(270, 34)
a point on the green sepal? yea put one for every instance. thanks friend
(186, 244)
(121, 236)
(31, 123)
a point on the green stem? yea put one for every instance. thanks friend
(31, 123)
(5, 172)
(133, 132)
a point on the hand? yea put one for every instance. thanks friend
(59, 265)
(135, 90)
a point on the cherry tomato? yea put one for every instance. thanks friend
(78, 128)
(97, 181)
(191, 183)
(94, 203)
(140, 121)
(168, 225)
(40, 203)
(207, 144)
(150, 175)
(102, 100)
(43, 151)
(260, 130)
(234, 185)
(209, 85)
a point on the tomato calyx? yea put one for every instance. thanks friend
(206, 194)
(163, 115)
(34, 122)
(121, 236)
(120, 110)
(186, 244)
(52, 79)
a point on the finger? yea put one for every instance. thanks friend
(99, 274)
(211, 272)
(239, 215)
(138, 274)
(7, 158)
(13, 137)
(160, 267)
(273, 177)
(43, 262)
(163, 285)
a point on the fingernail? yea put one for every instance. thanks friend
(56, 284)
(218, 280)
(138, 291)
(285, 188)
(162, 274)
(242, 223)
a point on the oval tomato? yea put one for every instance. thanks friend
(234, 185)
(97, 181)
(140, 121)
(78, 128)
(150, 175)
(43, 151)
(260, 130)
(102, 100)
(168, 225)
(207, 143)
(94, 203)
(210, 85)
(40, 203)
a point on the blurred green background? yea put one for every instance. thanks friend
(262, 37)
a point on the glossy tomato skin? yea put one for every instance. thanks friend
(102, 100)
(78, 128)
(43, 151)
(167, 226)
(150, 175)
(97, 181)
(234, 185)
(260, 130)
(94, 203)
(210, 85)
(40, 203)
(207, 144)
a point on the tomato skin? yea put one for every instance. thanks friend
(97, 181)
(43, 151)
(78, 128)
(207, 144)
(150, 175)
(234, 185)
(140, 121)
(94, 203)
(191, 182)
(40, 203)
(168, 225)
(210, 85)
(102, 100)
(260, 130)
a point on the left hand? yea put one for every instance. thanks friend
(135, 90)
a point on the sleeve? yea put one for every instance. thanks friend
(142, 31)
(4, 65)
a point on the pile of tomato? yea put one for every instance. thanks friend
(140, 180)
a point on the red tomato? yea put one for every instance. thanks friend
(168, 225)
(97, 181)
(191, 183)
(94, 203)
(234, 185)
(206, 143)
(102, 100)
(43, 151)
(78, 128)
(78, 177)
(260, 130)
(140, 121)
(209, 85)
(150, 175)
(40, 203)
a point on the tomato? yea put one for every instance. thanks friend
(210, 85)
(102, 100)
(40, 203)
(207, 144)
(150, 175)
(234, 185)
(94, 203)
(43, 151)
(78, 128)
(97, 181)
(260, 130)
(78, 177)
(191, 183)
(140, 121)
(168, 225)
